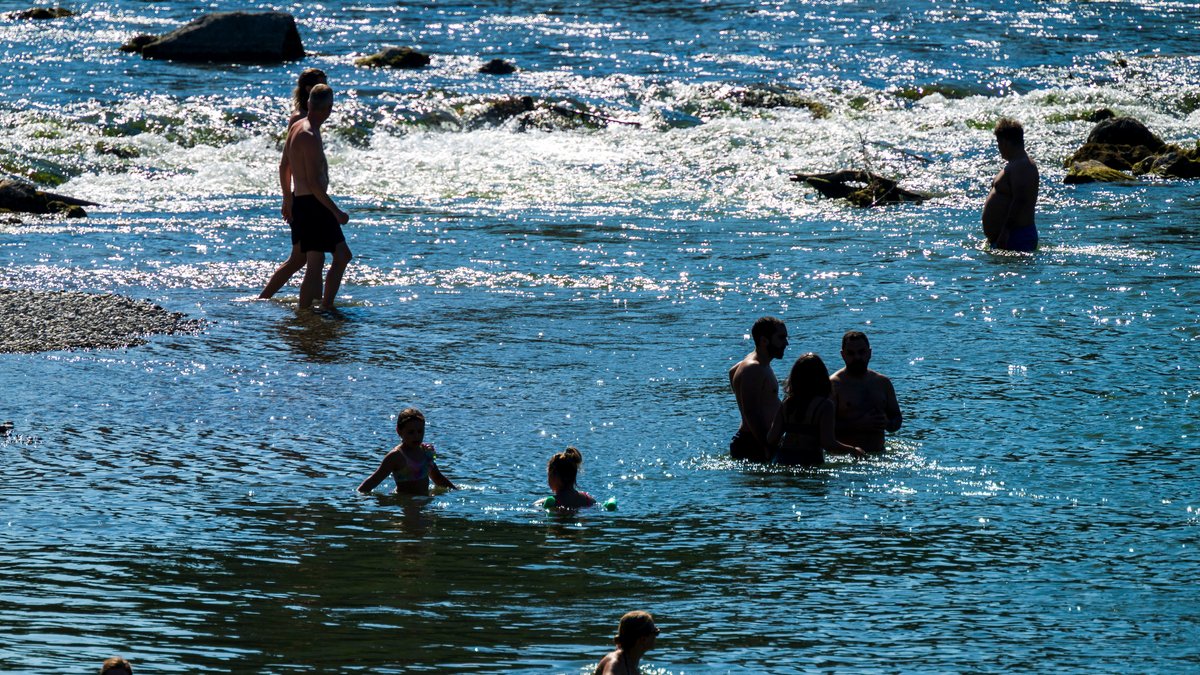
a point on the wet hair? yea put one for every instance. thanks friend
(304, 84)
(809, 379)
(408, 415)
(766, 327)
(321, 96)
(565, 466)
(634, 626)
(1008, 129)
(115, 662)
(852, 335)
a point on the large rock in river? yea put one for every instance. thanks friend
(1124, 144)
(1124, 131)
(18, 196)
(230, 37)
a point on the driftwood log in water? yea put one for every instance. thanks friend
(861, 188)
(25, 198)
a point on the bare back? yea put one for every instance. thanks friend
(305, 154)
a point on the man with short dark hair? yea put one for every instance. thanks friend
(1008, 212)
(864, 401)
(757, 390)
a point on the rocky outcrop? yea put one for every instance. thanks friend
(42, 13)
(40, 321)
(1092, 171)
(395, 57)
(861, 188)
(1123, 144)
(22, 197)
(226, 37)
(498, 67)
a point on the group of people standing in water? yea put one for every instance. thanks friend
(846, 413)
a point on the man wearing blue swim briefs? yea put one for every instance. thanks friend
(1008, 212)
(757, 390)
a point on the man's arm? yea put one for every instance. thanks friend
(285, 184)
(891, 406)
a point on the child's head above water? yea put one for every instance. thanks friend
(410, 425)
(563, 468)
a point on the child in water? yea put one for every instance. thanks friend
(561, 471)
(636, 635)
(410, 463)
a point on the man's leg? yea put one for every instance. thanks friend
(341, 258)
(310, 288)
(290, 266)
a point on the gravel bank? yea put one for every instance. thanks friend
(41, 321)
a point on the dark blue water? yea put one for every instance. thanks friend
(189, 503)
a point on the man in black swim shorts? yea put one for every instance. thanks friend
(316, 219)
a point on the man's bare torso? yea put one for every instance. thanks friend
(306, 155)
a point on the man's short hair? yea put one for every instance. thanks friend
(766, 327)
(1008, 129)
(321, 96)
(852, 335)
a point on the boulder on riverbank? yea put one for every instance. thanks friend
(40, 321)
(1123, 144)
(42, 14)
(395, 57)
(226, 37)
(25, 198)
(861, 188)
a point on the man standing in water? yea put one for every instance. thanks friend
(757, 390)
(864, 401)
(304, 179)
(1008, 211)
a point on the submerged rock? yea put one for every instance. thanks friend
(861, 188)
(498, 67)
(39, 321)
(18, 196)
(395, 57)
(227, 37)
(42, 13)
(777, 97)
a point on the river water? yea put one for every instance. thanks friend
(190, 503)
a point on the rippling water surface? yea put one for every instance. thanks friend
(190, 504)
